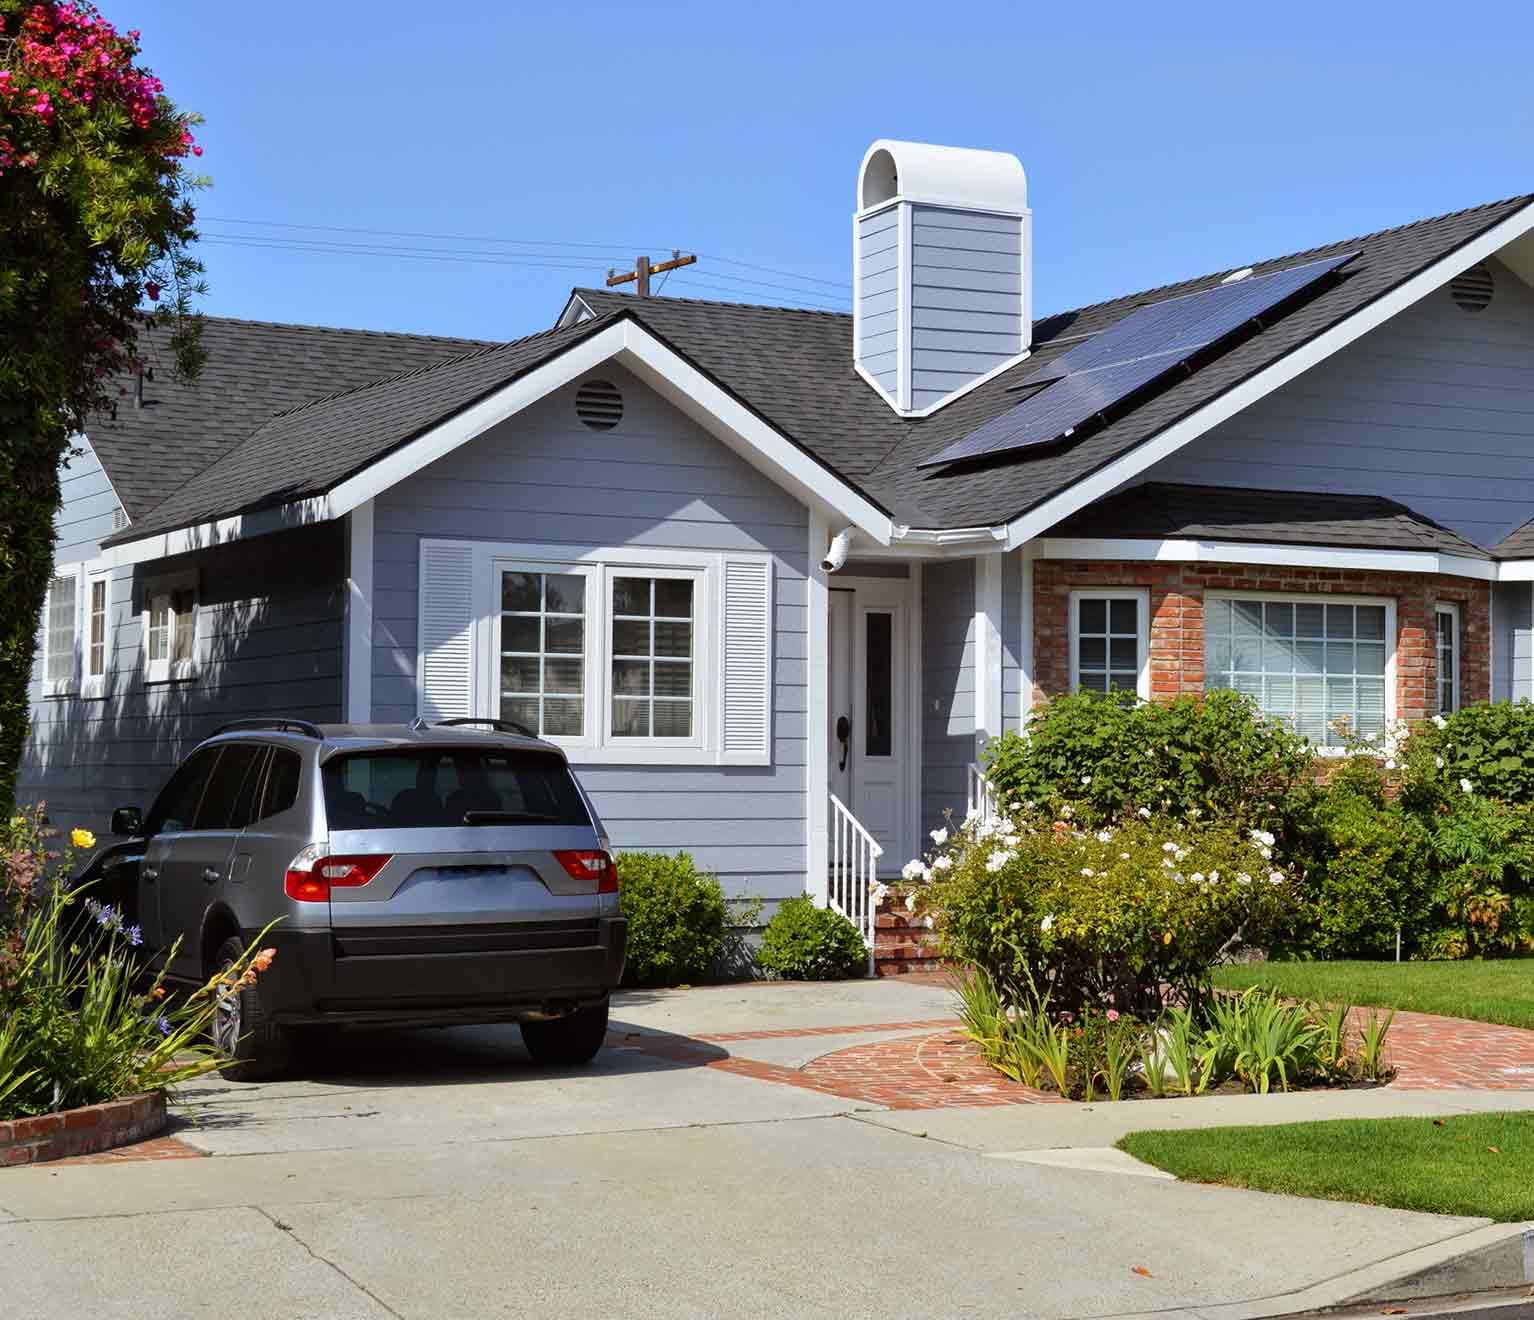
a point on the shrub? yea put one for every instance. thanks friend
(676, 916)
(1490, 746)
(1107, 756)
(81, 1019)
(1108, 917)
(805, 943)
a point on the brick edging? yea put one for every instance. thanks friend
(82, 1131)
(903, 943)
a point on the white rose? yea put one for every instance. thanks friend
(1214, 877)
(997, 860)
(1123, 857)
(940, 837)
(1440, 721)
(1067, 812)
(1390, 764)
(1242, 878)
(1104, 836)
(910, 902)
(1197, 877)
(1439, 759)
(1144, 813)
(911, 870)
(1267, 854)
(1168, 847)
(1465, 786)
(1088, 872)
(1275, 877)
(1048, 922)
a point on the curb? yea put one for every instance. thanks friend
(81, 1131)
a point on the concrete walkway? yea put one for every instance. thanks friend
(442, 1175)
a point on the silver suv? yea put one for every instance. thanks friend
(419, 875)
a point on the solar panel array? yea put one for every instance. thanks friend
(1146, 345)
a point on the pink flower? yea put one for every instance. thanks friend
(1113, 1015)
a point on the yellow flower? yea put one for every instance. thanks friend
(1167, 938)
(82, 838)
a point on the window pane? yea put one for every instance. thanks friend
(519, 634)
(281, 790)
(564, 636)
(1278, 619)
(673, 719)
(1124, 680)
(631, 719)
(519, 673)
(1094, 616)
(673, 639)
(562, 716)
(1124, 654)
(631, 595)
(630, 637)
(363, 791)
(1216, 653)
(184, 607)
(519, 591)
(566, 676)
(674, 679)
(96, 665)
(1094, 682)
(631, 677)
(1310, 620)
(61, 630)
(1246, 618)
(1371, 706)
(1371, 622)
(159, 627)
(1309, 657)
(1124, 616)
(1340, 658)
(880, 678)
(1371, 657)
(673, 598)
(1217, 618)
(566, 593)
(521, 710)
(1246, 654)
(1277, 654)
(226, 789)
(1094, 652)
(1339, 620)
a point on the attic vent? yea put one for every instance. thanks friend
(1472, 291)
(599, 404)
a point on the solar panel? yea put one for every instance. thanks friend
(1140, 349)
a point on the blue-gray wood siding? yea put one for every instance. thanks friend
(1512, 641)
(88, 503)
(878, 258)
(1435, 408)
(269, 633)
(948, 686)
(966, 292)
(1012, 606)
(657, 480)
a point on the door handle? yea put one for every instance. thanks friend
(149, 873)
(844, 732)
(211, 875)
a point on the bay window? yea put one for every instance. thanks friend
(1311, 661)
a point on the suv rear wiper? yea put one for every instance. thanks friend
(508, 818)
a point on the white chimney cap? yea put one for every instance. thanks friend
(944, 176)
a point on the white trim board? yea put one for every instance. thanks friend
(359, 614)
(625, 342)
(1176, 550)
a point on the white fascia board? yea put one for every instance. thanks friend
(765, 448)
(971, 540)
(240, 527)
(1177, 550)
(359, 615)
(1109, 478)
(576, 310)
(1516, 570)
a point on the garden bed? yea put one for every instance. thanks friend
(83, 1131)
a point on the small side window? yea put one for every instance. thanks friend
(219, 808)
(281, 783)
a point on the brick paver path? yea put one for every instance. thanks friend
(1433, 1053)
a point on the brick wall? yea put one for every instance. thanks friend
(1177, 620)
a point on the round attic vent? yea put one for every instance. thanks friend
(1472, 291)
(599, 404)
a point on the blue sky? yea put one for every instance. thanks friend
(1160, 141)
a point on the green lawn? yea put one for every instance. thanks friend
(1500, 991)
(1444, 1166)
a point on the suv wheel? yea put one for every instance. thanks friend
(567, 1040)
(256, 1047)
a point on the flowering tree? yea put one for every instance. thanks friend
(95, 227)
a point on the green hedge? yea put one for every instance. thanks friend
(676, 915)
(805, 943)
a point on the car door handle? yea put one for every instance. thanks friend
(212, 875)
(149, 873)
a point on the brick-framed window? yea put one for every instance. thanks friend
(1446, 619)
(1110, 630)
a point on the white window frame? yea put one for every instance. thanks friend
(95, 685)
(168, 670)
(600, 565)
(1451, 609)
(1392, 636)
(64, 687)
(1139, 594)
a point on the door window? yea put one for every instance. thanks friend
(226, 805)
(281, 788)
(176, 807)
(879, 680)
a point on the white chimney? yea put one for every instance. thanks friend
(942, 294)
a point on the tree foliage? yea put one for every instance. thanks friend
(96, 223)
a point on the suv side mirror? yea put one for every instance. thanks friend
(128, 821)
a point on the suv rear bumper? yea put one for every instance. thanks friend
(312, 981)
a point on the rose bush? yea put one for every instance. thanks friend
(1122, 914)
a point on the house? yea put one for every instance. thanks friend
(773, 577)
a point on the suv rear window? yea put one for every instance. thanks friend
(395, 790)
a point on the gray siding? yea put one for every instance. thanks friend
(84, 518)
(1435, 409)
(1012, 604)
(966, 290)
(656, 480)
(878, 260)
(269, 640)
(947, 686)
(1512, 641)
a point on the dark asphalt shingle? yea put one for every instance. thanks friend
(1517, 544)
(1155, 510)
(792, 367)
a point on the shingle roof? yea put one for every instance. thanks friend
(1517, 544)
(309, 449)
(254, 369)
(1221, 513)
(792, 367)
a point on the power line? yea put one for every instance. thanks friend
(773, 270)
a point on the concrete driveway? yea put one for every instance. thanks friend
(440, 1174)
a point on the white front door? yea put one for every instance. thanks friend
(868, 741)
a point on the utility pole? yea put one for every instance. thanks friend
(642, 271)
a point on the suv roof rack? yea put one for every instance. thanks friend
(500, 726)
(281, 725)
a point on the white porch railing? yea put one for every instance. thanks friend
(851, 869)
(982, 797)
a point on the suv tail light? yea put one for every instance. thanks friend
(590, 864)
(313, 874)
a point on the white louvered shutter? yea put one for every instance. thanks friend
(446, 677)
(746, 687)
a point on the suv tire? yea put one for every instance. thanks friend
(568, 1040)
(256, 1047)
